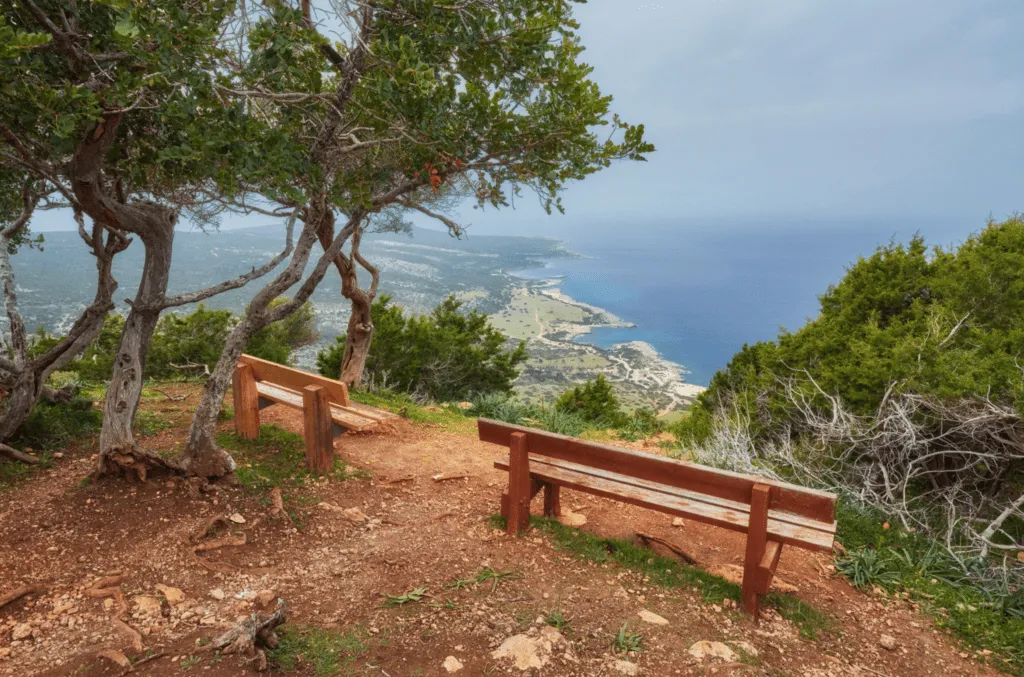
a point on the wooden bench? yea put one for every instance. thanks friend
(326, 408)
(771, 514)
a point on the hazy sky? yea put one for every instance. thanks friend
(803, 109)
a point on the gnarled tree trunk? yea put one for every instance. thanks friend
(359, 336)
(118, 450)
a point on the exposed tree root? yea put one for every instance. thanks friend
(210, 462)
(59, 395)
(20, 592)
(647, 539)
(210, 525)
(15, 455)
(252, 636)
(115, 656)
(135, 463)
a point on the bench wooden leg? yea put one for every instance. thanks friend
(519, 485)
(757, 541)
(552, 500)
(246, 402)
(316, 418)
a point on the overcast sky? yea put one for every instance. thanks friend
(803, 109)
(811, 109)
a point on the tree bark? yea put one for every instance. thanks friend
(118, 451)
(359, 336)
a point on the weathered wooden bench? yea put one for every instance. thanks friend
(326, 408)
(771, 514)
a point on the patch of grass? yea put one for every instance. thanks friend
(149, 423)
(495, 577)
(460, 583)
(50, 427)
(275, 459)
(986, 616)
(190, 662)
(414, 595)
(669, 573)
(627, 642)
(450, 417)
(557, 619)
(325, 652)
(54, 426)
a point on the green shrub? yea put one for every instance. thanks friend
(446, 355)
(182, 344)
(561, 422)
(594, 401)
(642, 424)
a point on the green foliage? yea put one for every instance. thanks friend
(443, 356)
(945, 323)
(627, 642)
(53, 426)
(183, 344)
(180, 341)
(642, 424)
(557, 619)
(324, 652)
(984, 614)
(414, 595)
(594, 401)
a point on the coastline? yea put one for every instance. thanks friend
(551, 321)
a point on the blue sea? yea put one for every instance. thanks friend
(698, 291)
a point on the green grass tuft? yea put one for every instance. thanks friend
(275, 459)
(325, 652)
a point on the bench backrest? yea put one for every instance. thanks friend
(810, 503)
(294, 379)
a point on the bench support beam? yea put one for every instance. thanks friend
(520, 486)
(318, 428)
(246, 402)
(552, 500)
(757, 543)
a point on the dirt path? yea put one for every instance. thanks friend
(332, 571)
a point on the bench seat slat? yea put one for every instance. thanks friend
(723, 503)
(622, 488)
(343, 416)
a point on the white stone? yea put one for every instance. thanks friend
(174, 596)
(21, 631)
(677, 522)
(452, 664)
(217, 594)
(626, 668)
(652, 618)
(705, 650)
(530, 653)
(745, 647)
(888, 642)
(237, 518)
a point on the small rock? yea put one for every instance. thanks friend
(452, 664)
(626, 668)
(237, 518)
(266, 599)
(354, 515)
(530, 652)
(705, 650)
(21, 631)
(572, 519)
(217, 594)
(1020, 556)
(174, 596)
(146, 605)
(888, 642)
(652, 618)
(677, 522)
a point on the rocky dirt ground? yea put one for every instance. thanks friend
(385, 527)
